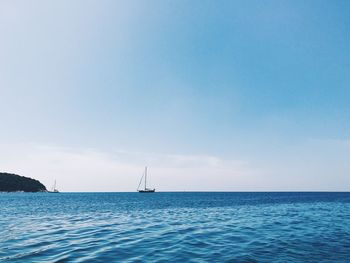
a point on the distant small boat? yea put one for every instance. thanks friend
(54, 189)
(145, 189)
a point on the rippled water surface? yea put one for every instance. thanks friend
(172, 227)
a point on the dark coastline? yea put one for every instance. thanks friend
(16, 183)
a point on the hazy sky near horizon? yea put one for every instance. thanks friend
(211, 95)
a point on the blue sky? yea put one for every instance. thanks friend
(213, 95)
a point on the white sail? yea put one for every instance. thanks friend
(145, 190)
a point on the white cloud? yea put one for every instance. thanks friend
(91, 170)
(311, 166)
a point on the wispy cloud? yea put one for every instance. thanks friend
(313, 165)
(92, 170)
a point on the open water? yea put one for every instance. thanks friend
(175, 227)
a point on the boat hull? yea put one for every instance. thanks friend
(147, 191)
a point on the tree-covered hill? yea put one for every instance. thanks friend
(14, 183)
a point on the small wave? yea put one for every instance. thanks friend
(239, 229)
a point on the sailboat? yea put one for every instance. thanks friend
(145, 189)
(54, 189)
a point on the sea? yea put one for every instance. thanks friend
(175, 227)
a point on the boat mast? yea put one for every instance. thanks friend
(145, 176)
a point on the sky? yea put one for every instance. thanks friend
(210, 95)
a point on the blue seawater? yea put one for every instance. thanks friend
(175, 227)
